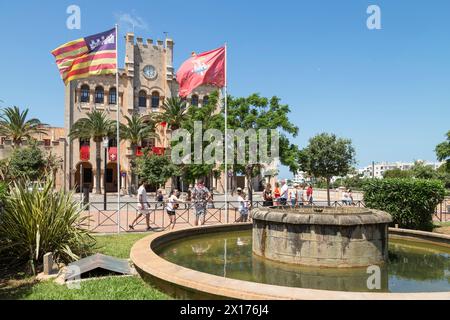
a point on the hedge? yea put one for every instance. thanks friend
(411, 202)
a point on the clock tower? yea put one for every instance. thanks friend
(150, 72)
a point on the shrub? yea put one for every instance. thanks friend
(3, 192)
(34, 222)
(411, 202)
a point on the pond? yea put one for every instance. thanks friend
(411, 267)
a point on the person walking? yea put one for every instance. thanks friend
(350, 197)
(284, 193)
(159, 199)
(267, 196)
(173, 203)
(345, 198)
(293, 195)
(200, 197)
(309, 194)
(301, 194)
(244, 206)
(143, 206)
(277, 194)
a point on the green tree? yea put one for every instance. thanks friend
(95, 126)
(155, 169)
(444, 175)
(327, 156)
(28, 163)
(137, 129)
(14, 125)
(173, 111)
(397, 173)
(256, 112)
(443, 151)
(421, 171)
(210, 118)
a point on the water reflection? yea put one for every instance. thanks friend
(412, 267)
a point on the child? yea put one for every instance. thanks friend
(244, 206)
(173, 204)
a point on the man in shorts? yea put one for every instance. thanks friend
(200, 197)
(143, 206)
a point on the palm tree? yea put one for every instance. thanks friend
(138, 128)
(96, 127)
(173, 112)
(15, 126)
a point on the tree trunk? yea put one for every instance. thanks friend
(98, 164)
(134, 181)
(249, 183)
(328, 191)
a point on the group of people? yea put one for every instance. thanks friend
(299, 195)
(199, 196)
(202, 199)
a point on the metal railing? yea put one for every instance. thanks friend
(442, 212)
(106, 221)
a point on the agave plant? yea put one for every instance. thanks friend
(36, 221)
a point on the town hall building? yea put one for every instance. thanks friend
(147, 79)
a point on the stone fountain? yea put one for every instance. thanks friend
(341, 237)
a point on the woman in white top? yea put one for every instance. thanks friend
(173, 203)
(293, 195)
(345, 198)
(244, 206)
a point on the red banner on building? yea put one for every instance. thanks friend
(113, 154)
(85, 153)
(158, 151)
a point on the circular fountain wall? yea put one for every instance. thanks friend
(326, 237)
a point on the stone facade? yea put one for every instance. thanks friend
(338, 237)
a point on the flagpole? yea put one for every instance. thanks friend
(226, 135)
(118, 129)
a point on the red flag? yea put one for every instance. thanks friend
(204, 68)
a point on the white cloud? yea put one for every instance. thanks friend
(129, 22)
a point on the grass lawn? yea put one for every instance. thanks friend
(112, 288)
(442, 227)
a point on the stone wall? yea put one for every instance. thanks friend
(325, 240)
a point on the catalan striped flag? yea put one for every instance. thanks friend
(90, 56)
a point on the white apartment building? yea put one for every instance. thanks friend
(380, 168)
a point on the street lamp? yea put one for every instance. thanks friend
(105, 147)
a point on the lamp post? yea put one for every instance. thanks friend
(105, 147)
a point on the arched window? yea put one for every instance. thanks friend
(148, 143)
(194, 100)
(85, 142)
(143, 99)
(155, 99)
(205, 100)
(99, 95)
(112, 96)
(85, 93)
(112, 142)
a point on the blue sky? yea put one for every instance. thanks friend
(388, 90)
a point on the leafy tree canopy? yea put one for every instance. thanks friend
(155, 169)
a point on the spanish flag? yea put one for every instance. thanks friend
(90, 56)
